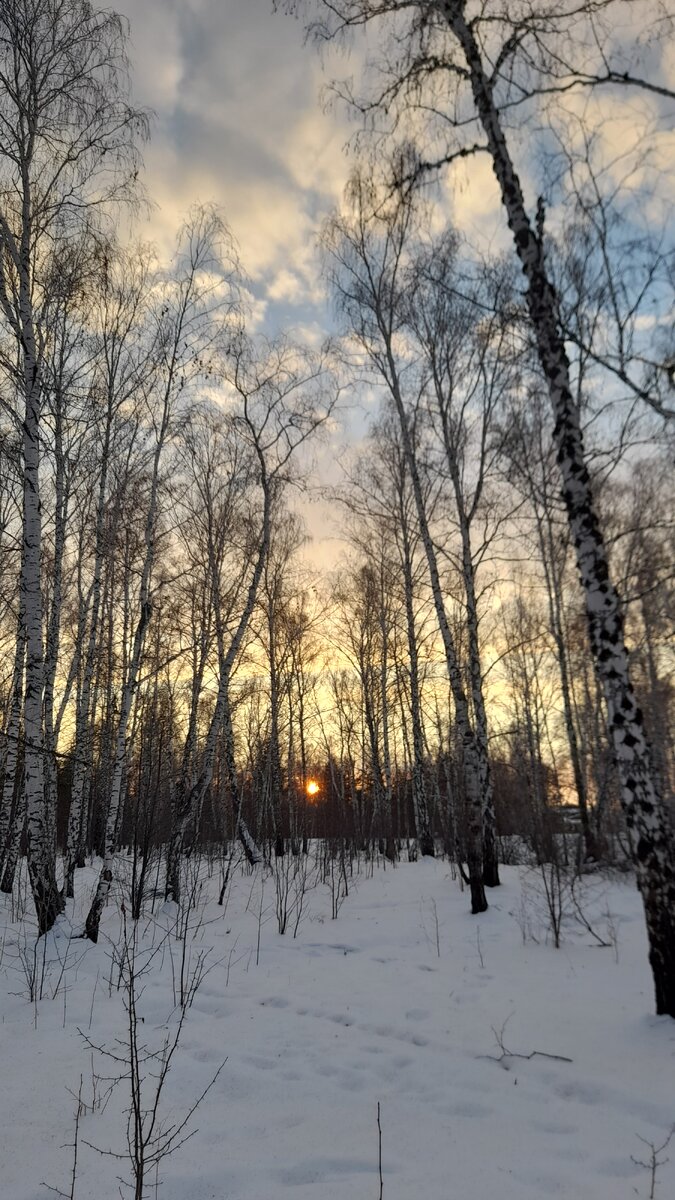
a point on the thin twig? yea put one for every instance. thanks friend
(379, 1150)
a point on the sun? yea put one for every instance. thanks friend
(312, 787)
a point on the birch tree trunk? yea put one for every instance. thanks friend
(274, 751)
(201, 641)
(419, 792)
(384, 701)
(41, 853)
(470, 750)
(119, 766)
(190, 796)
(113, 815)
(83, 711)
(490, 857)
(14, 843)
(556, 617)
(62, 499)
(9, 803)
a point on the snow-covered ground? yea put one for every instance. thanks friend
(396, 1001)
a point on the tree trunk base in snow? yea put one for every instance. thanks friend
(426, 845)
(490, 852)
(68, 889)
(48, 903)
(253, 855)
(592, 849)
(491, 872)
(173, 881)
(661, 928)
(93, 921)
(478, 899)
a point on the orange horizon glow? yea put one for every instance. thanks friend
(312, 787)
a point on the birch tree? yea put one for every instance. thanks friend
(368, 251)
(531, 461)
(13, 628)
(66, 382)
(469, 67)
(379, 502)
(120, 370)
(278, 397)
(464, 329)
(286, 538)
(185, 330)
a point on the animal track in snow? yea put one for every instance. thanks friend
(322, 1170)
(388, 1032)
(555, 1127)
(263, 1064)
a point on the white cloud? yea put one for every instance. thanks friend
(240, 122)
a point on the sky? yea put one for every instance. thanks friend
(241, 120)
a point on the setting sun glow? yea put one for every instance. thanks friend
(312, 787)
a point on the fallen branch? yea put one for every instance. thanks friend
(506, 1053)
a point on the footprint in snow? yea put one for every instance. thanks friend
(321, 1170)
(263, 1064)
(555, 1128)
(467, 1108)
(586, 1093)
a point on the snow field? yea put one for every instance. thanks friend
(396, 1001)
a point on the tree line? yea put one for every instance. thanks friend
(174, 673)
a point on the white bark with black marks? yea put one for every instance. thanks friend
(651, 835)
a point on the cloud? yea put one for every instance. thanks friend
(474, 200)
(239, 121)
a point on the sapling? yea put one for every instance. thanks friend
(479, 949)
(580, 914)
(654, 1161)
(150, 1137)
(379, 1151)
(612, 932)
(301, 885)
(70, 1195)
